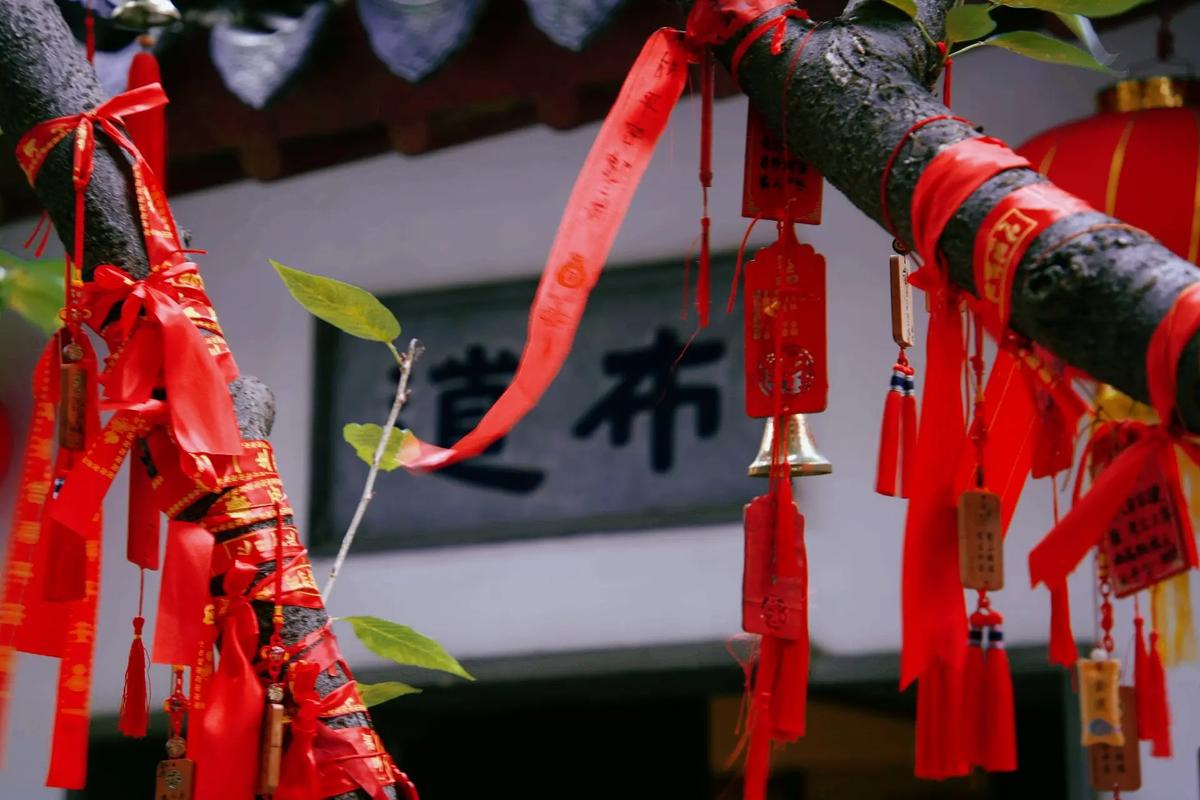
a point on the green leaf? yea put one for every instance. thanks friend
(33, 289)
(1088, 8)
(346, 307)
(967, 23)
(373, 694)
(365, 438)
(403, 645)
(1081, 26)
(907, 6)
(1046, 48)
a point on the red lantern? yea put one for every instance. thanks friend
(1137, 160)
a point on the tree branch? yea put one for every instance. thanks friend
(861, 82)
(43, 74)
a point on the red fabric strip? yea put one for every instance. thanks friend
(1004, 237)
(597, 206)
(950, 178)
(885, 213)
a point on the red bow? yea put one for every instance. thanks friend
(152, 324)
(39, 140)
(300, 779)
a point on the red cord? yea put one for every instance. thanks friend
(887, 170)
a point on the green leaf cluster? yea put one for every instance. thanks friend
(404, 646)
(972, 25)
(32, 289)
(365, 440)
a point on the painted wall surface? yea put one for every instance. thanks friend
(486, 212)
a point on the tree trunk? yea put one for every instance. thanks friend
(43, 74)
(860, 83)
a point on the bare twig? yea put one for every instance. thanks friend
(405, 360)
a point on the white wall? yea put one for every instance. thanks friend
(486, 212)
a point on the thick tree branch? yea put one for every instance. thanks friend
(860, 83)
(43, 75)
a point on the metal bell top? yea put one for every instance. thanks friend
(803, 458)
(142, 15)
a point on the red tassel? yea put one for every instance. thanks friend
(974, 722)
(889, 436)
(1062, 639)
(1146, 708)
(1160, 746)
(148, 129)
(908, 437)
(939, 723)
(758, 754)
(1000, 744)
(135, 704)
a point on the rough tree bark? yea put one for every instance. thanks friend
(861, 82)
(43, 75)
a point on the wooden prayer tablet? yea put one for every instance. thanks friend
(1099, 702)
(272, 749)
(902, 303)
(72, 408)
(980, 540)
(175, 779)
(777, 184)
(1112, 767)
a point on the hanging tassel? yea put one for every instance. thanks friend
(908, 435)
(1000, 753)
(974, 722)
(148, 129)
(704, 278)
(1146, 725)
(889, 435)
(1160, 746)
(135, 703)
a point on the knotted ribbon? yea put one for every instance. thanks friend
(1053, 559)
(597, 206)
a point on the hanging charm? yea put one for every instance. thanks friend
(777, 184)
(980, 540)
(73, 392)
(785, 292)
(1118, 768)
(176, 775)
(1099, 701)
(271, 758)
(898, 432)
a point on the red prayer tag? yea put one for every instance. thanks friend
(771, 605)
(777, 184)
(785, 329)
(1150, 538)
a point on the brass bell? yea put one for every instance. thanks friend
(803, 458)
(142, 15)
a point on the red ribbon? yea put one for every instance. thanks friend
(598, 203)
(225, 736)
(299, 778)
(950, 178)
(1053, 559)
(153, 324)
(1004, 237)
